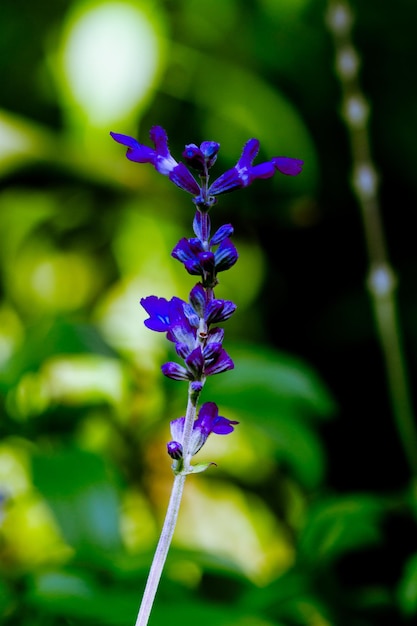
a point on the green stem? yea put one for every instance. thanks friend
(381, 281)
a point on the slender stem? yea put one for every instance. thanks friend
(170, 518)
(161, 551)
(382, 283)
(381, 278)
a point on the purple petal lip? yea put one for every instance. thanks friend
(175, 371)
(288, 166)
(135, 151)
(209, 420)
(158, 311)
(182, 177)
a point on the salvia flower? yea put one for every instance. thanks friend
(199, 261)
(244, 172)
(189, 329)
(202, 159)
(208, 421)
(160, 157)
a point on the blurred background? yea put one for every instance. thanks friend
(310, 517)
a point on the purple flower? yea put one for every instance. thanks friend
(244, 172)
(201, 262)
(200, 362)
(211, 310)
(160, 157)
(208, 421)
(163, 313)
(181, 322)
(202, 158)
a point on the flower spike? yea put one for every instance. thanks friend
(189, 326)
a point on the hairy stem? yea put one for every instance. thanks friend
(171, 517)
(161, 551)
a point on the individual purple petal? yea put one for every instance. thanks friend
(198, 299)
(136, 151)
(211, 352)
(230, 180)
(175, 371)
(187, 249)
(158, 311)
(223, 426)
(263, 170)
(176, 311)
(177, 428)
(183, 350)
(164, 162)
(213, 311)
(215, 335)
(195, 362)
(222, 363)
(201, 225)
(192, 316)
(183, 333)
(240, 175)
(163, 313)
(219, 311)
(225, 256)
(223, 232)
(249, 152)
(160, 139)
(184, 179)
(193, 267)
(288, 166)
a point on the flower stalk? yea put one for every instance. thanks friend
(192, 326)
(161, 551)
(381, 280)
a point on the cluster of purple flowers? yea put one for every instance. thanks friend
(202, 159)
(189, 325)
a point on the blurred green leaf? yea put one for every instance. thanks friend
(338, 525)
(266, 382)
(22, 141)
(78, 487)
(205, 614)
(407, 589)
(5, 599)
(77, 596)
(48, 338)
(276, 393)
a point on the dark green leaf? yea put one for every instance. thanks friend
(79, 490)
